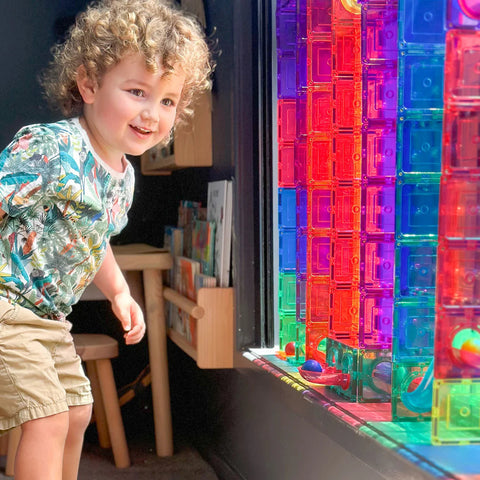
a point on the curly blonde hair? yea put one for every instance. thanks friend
(109, 30)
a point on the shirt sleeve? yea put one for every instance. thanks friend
(28, 166)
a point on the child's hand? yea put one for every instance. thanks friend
(127, 310)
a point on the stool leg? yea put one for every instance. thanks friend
(112, 410)
(98, 406)
(13, 441)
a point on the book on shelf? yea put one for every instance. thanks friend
(173, 242)
(188, 212)
(204, 281)
(185, 271)
(219, 210)
(203, 245)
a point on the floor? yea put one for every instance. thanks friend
(185, 464)
(97, 463)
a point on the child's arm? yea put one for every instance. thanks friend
(111, 282)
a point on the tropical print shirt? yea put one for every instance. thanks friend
(62, 204)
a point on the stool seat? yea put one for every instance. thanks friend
(93, 346)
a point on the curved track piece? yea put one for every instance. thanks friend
(420, 400)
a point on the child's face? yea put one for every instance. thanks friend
(131, 110)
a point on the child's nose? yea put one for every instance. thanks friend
(150, 112)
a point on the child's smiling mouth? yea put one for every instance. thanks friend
(141, 130)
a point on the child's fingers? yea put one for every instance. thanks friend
(135, 334)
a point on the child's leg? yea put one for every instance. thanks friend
(40, 452)
(79, 418)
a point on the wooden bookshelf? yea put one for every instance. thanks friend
(215, 324)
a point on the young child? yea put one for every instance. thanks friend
(126, 75)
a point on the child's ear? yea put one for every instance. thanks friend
(86, 86)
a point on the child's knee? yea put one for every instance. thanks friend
(79, 418)
(53, 426)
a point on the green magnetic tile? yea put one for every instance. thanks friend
(416, 433)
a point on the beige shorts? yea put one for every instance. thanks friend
(40, 372)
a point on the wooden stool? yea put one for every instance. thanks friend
(95, 350)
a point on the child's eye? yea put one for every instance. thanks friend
(168, 102)
(137, 92)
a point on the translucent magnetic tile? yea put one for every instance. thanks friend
(462, 79)
(301, 254)
(287, 292)
(417, 207)
(380, 27)
(462, 140)
(300, 162)
(406, 376)
(458, 273)
(319, 110)
(302, 61)
(456, 412)
(345, 314)
(301, 297)
(378, 260)
(421, 23)
(369, 371)
(318, 256)
(287, 249)
(463, 14)
(347, 153)
(300, 342)
(319, 20)
(347, 204)
(346, 260)
(285, 7)
(286, 76)
(287, 330)
(415, 269)
(459, 208)
(380, 92)
(301, 115)
(420, 84)
(344, 357)
(347, 103)
(379, 208)
(379, 155)
(286, 31)
(318, 301)
(286, 120)
(413, 331)
(315, 334)
(319, 61)
(457, 334)
(420, 145)
(375, 374)
(320, 164)
(345, 11)
(319, 207)
(287, 206)
(302, 209)
(286, 165)
(376, 320)
(346, 49)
